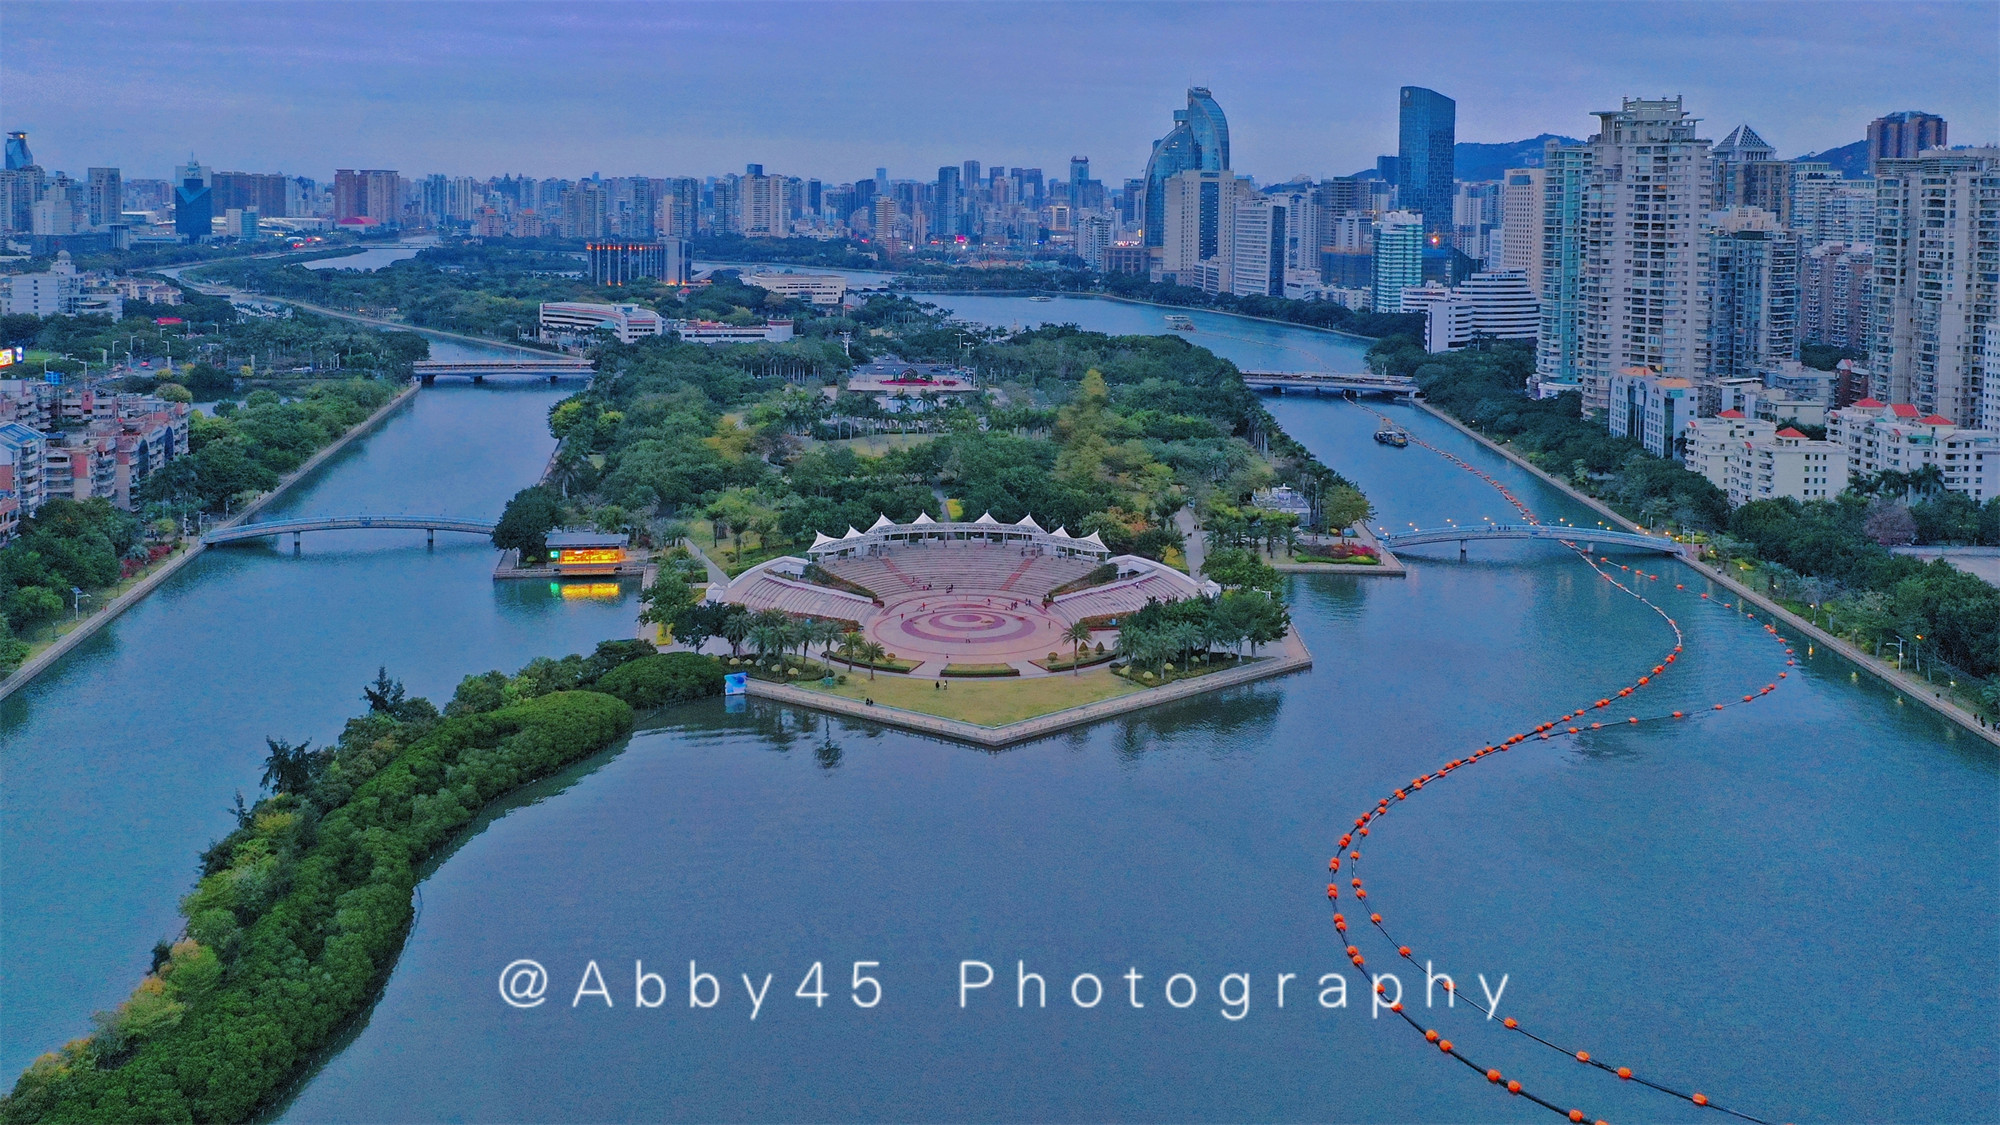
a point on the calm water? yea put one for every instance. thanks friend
(1253, 345)
(1789, 904)
(116, 767)
(365, 260)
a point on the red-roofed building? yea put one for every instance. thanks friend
(1899, 438)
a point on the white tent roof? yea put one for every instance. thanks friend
(987, 517)
(880, 523)
(923, 518)
(821, 539)
(851, 533)
(1059, 533)
(1029, 522)
(1092, 539)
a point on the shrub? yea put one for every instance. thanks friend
(664, 678)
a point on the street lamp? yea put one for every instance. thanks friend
(76, 597)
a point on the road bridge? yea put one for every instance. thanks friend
(242, 533)
(551, 369)
(1318, 382)
(1589, 538)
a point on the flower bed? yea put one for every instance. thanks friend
(1216, 662)
(1066, 664)
(981, 670)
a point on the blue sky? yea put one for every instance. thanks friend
(833, 90)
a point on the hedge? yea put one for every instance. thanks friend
(671, 677)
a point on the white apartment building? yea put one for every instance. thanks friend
(1937, 237)
(1880, 436)
(1712, 443)
(1651, 408)
(1258, 239)
(1786, 464)
(1642, 248)
(1495, 305)
(55, 293)
(1399, 258)
(1200, 224)
(573, 319)
(827, 289)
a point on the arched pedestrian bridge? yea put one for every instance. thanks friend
(1295, 382)
(296, 527)
(1590, 538)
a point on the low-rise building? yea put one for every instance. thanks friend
(1710, 444)
(1651, 408)
(824, 289)
(565, 321)
(54, 293)
(1897, 437)
(716, 332)
(23, 467)
(1496, 305)
(900, 387)
(1787, 464)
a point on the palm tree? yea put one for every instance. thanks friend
(872, 653)
(825, 634)
(736, 629)
(1077, 635)
(850, 643)
(767, 639)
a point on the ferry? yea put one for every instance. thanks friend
(1039, 297)
(1390, 435)
(1179, 323)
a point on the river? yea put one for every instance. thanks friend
(1789, 904)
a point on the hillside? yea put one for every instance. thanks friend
(1851, 161)
(1475, 162)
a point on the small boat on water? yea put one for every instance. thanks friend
(1039, 297)
(1390, 435)
(1179, 323)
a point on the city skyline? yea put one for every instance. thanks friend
(707, 89)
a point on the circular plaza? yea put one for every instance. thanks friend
(974, 597)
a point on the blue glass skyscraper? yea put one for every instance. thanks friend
(18, 156)
(1424, 175)
(1199, 140)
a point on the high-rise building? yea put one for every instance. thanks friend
(1904, 136)
(762, 204)
(107, 197)
(1257, 247)
(1836, 283)
(194, 202)
(1751, 284)
(264, 191)
(1566, 177)
(18, 156)
(1521, 224)
(372, 194)
(621, 263)
(1399, 258)
(1200, 216)
(1199, 140)
(1937, 237)
(585, 210)
(1642, 248)
(1427, 130)
(948, 219)
(680, 207)
(1093, 241)
(885, 220)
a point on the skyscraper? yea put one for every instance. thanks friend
(1903, 136)
(194, 205)
(1836, 282)
(1937, 233)
(1427, 129)
(1565, 180)
(1257, 247)
(107, 196)
(1521, 224)
(1641, 248)
(371, 193)
(1751, 284)
(1399, 258)
(1744, 173)
(18, 156)
(948, 202)
(1198, 140)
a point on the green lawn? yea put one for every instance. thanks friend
(989, 703)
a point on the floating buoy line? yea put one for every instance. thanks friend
(1566, 725)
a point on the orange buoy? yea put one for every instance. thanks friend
(1430, 1036)
(1396, 1007)
(1645, 679)
(1354, 855)
(1493, 1076)
(1583, 1056)
(1364, 832)
(1677, 715)
(1624, 1072)
(1699, 1099)
(1509, 1023)
(1445, 1046)
(1597, 726)
(1513, 1087)
(1357, 882)
(1360, 894)
(1333, 864)
(1576, 1115)
(1782, 675)
(1344, 840)
(1633, 719)
(1375, 918)
(1332, 892)
(1572, 730)
(1380, 987)
(1402, 951)
(1718, 707)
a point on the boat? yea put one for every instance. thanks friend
(1390, 435)
(1039, 297)
(1179, 323)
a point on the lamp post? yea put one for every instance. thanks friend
(76, 598)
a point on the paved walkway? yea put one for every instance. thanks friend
(1292, 656)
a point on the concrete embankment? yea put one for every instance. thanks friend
(1906, 685)
(41, 661)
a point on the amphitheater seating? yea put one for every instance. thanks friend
(769, 591)
(1119, 598)
(970, 569)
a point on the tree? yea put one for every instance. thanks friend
(666, 598)
(1890, 524)
(1077, 635)
(525, 524)
(292, 769)
(871, 653)
(736, 629)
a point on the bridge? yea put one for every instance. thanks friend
(479, 371)
(1287, 382)
(1590, 538)
(294, 528)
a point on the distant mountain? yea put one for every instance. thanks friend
(1851, 161)
(1475, 162)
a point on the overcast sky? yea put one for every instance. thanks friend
(833, 90)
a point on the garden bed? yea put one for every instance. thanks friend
(1065, 664)
(1217, 662)
(987, 670)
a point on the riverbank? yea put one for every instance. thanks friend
(1905, 684)
(1293, 657)
(40, 662)
(1023, 294)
